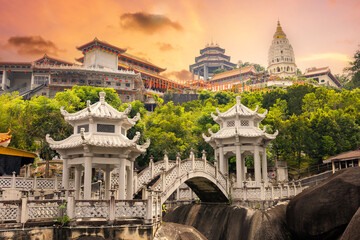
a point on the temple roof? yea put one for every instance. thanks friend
(234, 72)
(241, 132)
(46, 58)
(100, 109)
(5, 138)
(99, 140)
(238, 109)
(97, 42)
(127, 55)
(355, 154)
(279, 32)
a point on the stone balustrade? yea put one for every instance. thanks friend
(31, 183)
(271, 192)
(27, 209)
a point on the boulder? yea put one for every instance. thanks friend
(352, 231)
(174, 231)
(323, 212)
(220, 221)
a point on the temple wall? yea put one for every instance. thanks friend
(101, 59)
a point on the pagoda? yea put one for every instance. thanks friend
(240, 136)
(99, 141)
(212, 57)
(281, 59)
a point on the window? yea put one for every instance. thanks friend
(108, 83)
(244, 122)
(281, 51)
(106, 128)
(82, 81)
(123, 132)
(73, 80)
(127, 84)
(86, 128)
(230, 124)
(41, 79)
(63, 80)
(43, 94)
(118, 84)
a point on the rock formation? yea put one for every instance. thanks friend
(324, 211)
(174, 231)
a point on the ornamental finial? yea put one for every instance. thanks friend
(102, 97)
(238, 100)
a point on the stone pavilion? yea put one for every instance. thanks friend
(240, 136)
(99, 141)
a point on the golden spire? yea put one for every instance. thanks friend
(279, 32)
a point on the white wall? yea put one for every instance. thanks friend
(99, 58)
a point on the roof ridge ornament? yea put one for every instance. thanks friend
(238, 100)
(102, 97)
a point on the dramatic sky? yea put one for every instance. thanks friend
(170, 33)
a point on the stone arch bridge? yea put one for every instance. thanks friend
(200, 175)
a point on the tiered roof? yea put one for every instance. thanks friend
(99, 110)
(279, 32)
(242, 112)
(5, 138)
(100, 44)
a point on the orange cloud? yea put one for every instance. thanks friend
(148, 23)
(33, 45)
(179, 75)
(165, 46)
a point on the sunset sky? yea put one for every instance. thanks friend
(170, 33)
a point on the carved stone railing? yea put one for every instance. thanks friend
(27, 209)
(32, 183)
(181, 171)
(270, 192)
(148, 174)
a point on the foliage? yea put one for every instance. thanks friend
(219, 70)
(354, 70)
(258, 67)
(313, 122)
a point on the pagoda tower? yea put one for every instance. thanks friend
(281, 59)
(211, 57)
(240, 136)
(99, 141)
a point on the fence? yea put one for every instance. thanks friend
(28, 209)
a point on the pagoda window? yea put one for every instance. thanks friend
(230, 124)
(54, 80)
(244, 123)
(123, 132)
(106, 128)
(278, 69)
(85, 127)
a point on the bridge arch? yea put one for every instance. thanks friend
(201, 176)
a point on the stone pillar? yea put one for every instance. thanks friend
(129, 184)
(32, 85)
(3, 80)
(107, 182)
(121, 192)
(239, 173)
(87, 177)
(333, 166)
(77, 182)
(205, 73)
(222, 164)
(166, 160)
(264, 167)
(257, 165)
(65, 175)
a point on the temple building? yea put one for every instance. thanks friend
(99, 141)
(11, 159)
(323, 76)
(102, 65)
(281, 58)
(211, 58)
(240, 136)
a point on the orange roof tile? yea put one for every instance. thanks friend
(234, 72)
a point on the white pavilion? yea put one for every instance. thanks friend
(99, 141)
(240, 136)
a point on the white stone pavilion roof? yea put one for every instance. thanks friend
(240, 110)
(251, 131)
(100, 109)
